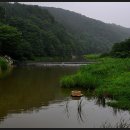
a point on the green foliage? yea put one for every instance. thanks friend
(12, 43)
(2, 13)
(93, 36)
(9, 38)
(121, 50)
(110, 78)
(3, 64)
(92, 56)
(41, 35)
(50, 32)
(80, 80)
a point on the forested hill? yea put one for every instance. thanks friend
(93, 35)
(28, 31)
(40, 35)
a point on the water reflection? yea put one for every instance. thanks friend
(80, 114)
(32, 97)
(101, 101)
(80, 102)
(28, 89)
(67, 108)
(5, 73)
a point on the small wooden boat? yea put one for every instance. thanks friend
(76, 93)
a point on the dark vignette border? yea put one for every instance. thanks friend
(64, 0)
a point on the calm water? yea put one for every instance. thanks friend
(32, 97)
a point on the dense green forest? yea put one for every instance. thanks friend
(28, 31)
(93, 35)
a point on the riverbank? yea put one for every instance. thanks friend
(59, 59)
(5, 66)
(60, 64)
(109, 78)
(56, 61)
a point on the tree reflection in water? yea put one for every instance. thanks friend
(67, 108)
(81, 116)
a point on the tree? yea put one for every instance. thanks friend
(2, 13)
(121, 50)
(10, 40)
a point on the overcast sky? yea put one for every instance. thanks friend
(109, 12)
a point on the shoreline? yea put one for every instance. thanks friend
(49, 64)
(109, 79)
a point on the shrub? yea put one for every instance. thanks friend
(3, 64)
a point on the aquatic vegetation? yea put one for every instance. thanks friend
(109, 78)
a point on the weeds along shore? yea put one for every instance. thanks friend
(5, 64)
(110, 77)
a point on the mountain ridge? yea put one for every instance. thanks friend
(49, 31)
(78, 24)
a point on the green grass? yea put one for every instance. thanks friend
(92, 56)
(110, 77)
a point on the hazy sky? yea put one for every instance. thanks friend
(109, 12)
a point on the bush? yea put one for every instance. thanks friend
(121, 50)
(3, 64)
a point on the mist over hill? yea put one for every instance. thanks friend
(93, 35)
(48, 31)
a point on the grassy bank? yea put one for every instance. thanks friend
(92, 56)
(110, 77)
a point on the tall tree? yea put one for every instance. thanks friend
(10, 40)
(2, 13)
